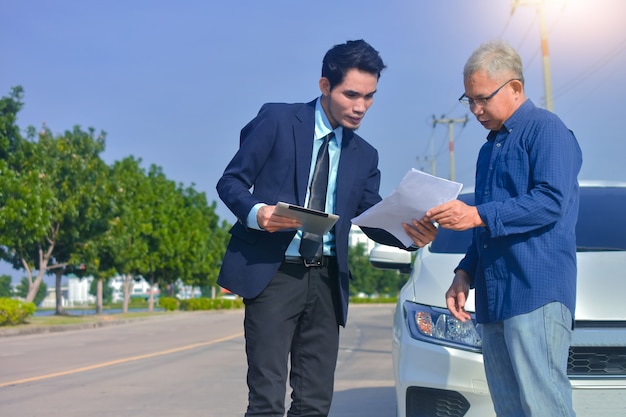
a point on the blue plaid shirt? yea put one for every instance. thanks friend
(527, 195)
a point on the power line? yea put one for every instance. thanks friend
(611, 55)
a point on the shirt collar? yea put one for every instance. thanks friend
(322, 125)
(518, 115)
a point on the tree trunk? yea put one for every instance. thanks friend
(58, 274)
(151, 298)
(33, 286)
(99, 296)
(128, 288)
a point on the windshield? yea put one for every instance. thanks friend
(601, 223)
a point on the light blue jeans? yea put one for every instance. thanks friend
(526, 363)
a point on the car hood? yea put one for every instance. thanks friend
(600, 284)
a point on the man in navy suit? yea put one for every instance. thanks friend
(294, 306)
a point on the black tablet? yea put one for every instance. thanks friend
(313, 221)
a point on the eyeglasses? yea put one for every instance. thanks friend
(482, 101)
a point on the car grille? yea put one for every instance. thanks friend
(427, 402)
(597, 361)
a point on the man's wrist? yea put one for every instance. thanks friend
(252, 220)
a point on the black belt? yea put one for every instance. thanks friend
(323, 261)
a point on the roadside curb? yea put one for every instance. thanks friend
(26, 330)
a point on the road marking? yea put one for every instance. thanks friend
(119, 361)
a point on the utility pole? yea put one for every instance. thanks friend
(547, 75)
(450, 122)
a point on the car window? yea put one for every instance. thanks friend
(601, 223)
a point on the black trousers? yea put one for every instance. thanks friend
(294, 317)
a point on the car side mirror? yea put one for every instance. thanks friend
(389, 257)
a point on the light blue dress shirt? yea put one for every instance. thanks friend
(322, 128)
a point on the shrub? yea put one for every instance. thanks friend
(202, 303)
(169, 303)
(14, 312)
(378, 300)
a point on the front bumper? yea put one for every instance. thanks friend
(434, 380)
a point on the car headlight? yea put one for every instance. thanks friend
(437, 325)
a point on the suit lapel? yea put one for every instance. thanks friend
(303, 131)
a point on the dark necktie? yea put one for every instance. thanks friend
(311, 246)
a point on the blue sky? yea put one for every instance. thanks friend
(173, 83)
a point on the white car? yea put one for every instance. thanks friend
(437, 360)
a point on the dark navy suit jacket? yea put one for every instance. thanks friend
(272, 165)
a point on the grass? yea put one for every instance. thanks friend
(379, 300)
(91, 318)
(64, 320)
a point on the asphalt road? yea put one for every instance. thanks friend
(187, 364)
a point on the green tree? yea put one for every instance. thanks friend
(6, 290)
(23, 289)
(10, 137)
(52, 201)
(26, 201)
(63, 210)
(123, 247)
(145, 234)
(204, 240)
(161, 230)
(370, 280)
(79, 178)
(163, 262)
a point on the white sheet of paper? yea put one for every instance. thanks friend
(413, 197)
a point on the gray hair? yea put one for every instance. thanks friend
(497, 58)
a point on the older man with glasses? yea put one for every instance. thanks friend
(522, 260)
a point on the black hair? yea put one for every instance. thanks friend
(352, 54)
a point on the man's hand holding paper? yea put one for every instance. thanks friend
(421, 231)
(455, 215)
(413, 197)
